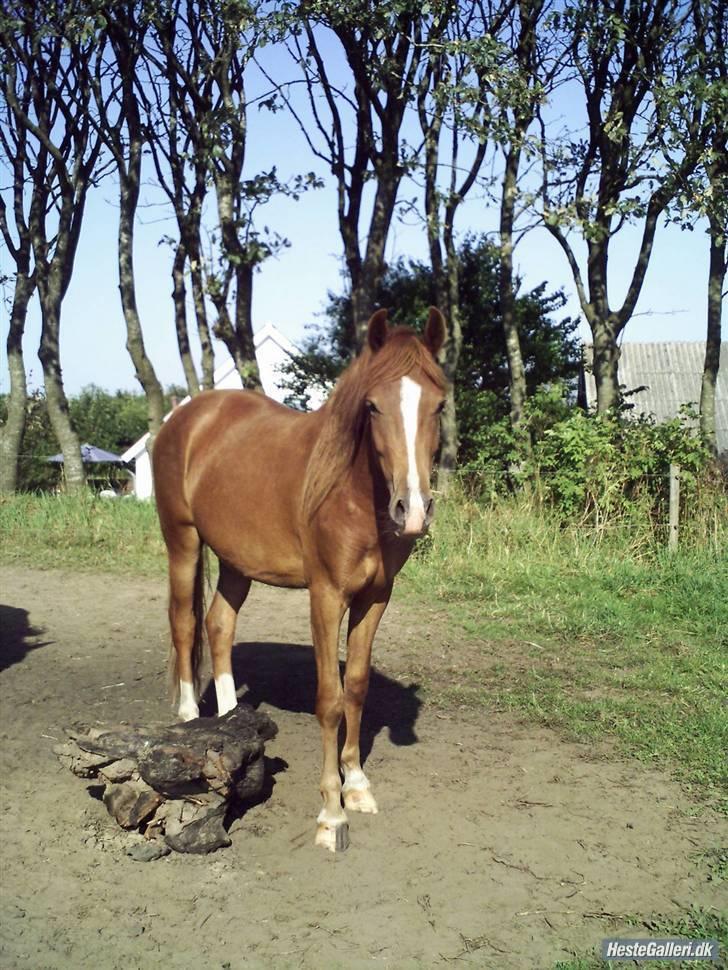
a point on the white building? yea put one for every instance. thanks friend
(271, 350)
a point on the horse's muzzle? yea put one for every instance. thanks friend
(412, 517)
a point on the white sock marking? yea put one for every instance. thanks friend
(226, 696)
(325, 817)
(188, 709)
(409, 398)
(354, 780)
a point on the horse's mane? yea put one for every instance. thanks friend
(337, 444)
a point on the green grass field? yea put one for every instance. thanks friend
(589, 634)
(81, 532)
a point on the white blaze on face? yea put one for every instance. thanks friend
(409, 397)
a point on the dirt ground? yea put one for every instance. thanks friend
(497, 843)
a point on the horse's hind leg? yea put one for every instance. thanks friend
(184, 549)
(232, 589)
(364, 616)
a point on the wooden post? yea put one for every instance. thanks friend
(674, 520)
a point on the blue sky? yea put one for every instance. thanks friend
(290, 289)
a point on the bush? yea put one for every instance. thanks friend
(603, 468)
(601, 472)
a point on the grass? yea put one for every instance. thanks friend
(584, 632)
(588, 635)
(81, 532)
(696, 924)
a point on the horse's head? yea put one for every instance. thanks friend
(404, 414)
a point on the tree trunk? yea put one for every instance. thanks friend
(244, 326)
(225, 331)
(60, 419)
(11, 434)
(363, 304)
(716, 278)
(449, 423)
(606, 365)
(372, 267)
(180, 319)
(450, 357)
(516, 370)
(203, 326)
(237, 336)
(143, 367)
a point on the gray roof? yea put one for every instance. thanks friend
(671, 374)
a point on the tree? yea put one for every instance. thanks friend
(550, 348)
(110, 421)
(518, 95)
(709, 197)
(454, 116)
(34, 473)
(626, 61)
(176, 125)
(51, 51)
(16, 154)
(201, 54)
(355, 123)
(120, 127)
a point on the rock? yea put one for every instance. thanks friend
(117, 771)
(204, 834)
(131, 803)
(82, 763)
(175, 781)
(148, 851)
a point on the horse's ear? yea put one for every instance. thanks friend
(377, 330)
(435, 331)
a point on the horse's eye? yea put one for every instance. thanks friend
(440, 407)
(372, 408)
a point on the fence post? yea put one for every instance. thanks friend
(674, 520)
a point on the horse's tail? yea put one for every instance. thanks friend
(198, 605)
(198, 609)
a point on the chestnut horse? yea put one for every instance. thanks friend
(331, 501)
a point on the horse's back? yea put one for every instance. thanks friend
(232, 464)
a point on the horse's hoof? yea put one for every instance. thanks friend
(334, 837)
(360, 800)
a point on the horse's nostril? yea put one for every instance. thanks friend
(430, 509)
(400, 512)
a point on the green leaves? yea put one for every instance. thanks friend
(601, 468)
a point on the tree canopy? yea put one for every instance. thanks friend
(581, 118)
(550, 346)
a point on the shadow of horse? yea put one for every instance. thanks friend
(15, 634)
(283, 675)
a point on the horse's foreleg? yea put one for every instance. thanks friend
(327, 610)
(232, 589)
(364, 616)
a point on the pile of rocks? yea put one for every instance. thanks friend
(175, 783)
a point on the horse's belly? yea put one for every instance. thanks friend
(289, 576)
(270, 556)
